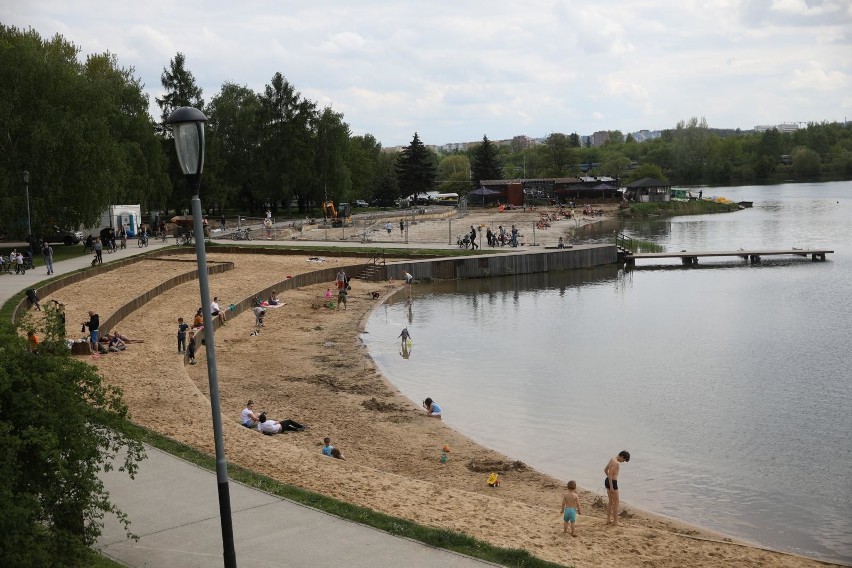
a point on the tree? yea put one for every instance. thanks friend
(180, 87)
(559, 154)
(362, 162)
(806, 164)
(415, 169)
(485, 162)
(289, 146)
(385, 185)
(574, 140)
(59, 426)
(82, 131)
(454, 174)
(233, 140)
(646, 170)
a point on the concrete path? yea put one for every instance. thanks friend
(173, 506)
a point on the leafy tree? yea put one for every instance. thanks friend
(362, 161)
(385, 184)
(415, 170)
(647, 170)
(574, 140)
(81, 130)
(689, 149)
(559, 154)
(233, 140)
(454, 174)
(485, 162)
(59, 426)
(806, 164)
(288, 147)
(332, 135)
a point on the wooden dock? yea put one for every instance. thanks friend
(753, 256)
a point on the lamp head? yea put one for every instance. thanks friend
(188, 126)
(25, 175)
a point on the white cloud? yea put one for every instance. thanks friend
(456, 70)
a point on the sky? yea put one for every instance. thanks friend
(458, 71)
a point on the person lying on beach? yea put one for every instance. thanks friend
(432, 409)
(269, 426)
(570, 507)
(115, 344)
(611, 484)
(126, 339)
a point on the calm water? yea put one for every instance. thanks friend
(730, 384)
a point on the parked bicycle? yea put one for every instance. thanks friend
(186, 239)
(242, 234)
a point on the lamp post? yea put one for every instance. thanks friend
(188, 126)
(26, 177)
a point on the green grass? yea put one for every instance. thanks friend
(693, 207)
(96, 560)
(440, 538)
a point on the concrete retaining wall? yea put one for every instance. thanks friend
(506, 264)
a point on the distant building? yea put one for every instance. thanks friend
(783, 128)
(648, 190)
(599, 137)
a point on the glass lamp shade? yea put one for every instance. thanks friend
(188, 127)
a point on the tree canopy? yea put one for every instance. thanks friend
(415, 168)
(81, 130)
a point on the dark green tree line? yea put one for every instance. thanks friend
(82, 131)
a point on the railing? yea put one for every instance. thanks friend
(375, 268)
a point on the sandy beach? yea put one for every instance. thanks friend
(308, 364)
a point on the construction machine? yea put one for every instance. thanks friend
(342, 218)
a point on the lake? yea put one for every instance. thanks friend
(730, 384)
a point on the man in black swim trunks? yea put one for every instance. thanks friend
(611, 484)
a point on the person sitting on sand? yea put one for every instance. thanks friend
(273, 299)
(247, 417)
(269, 426)
(198, 321)
(115, 345)
(328, 294)
(331, 451)
(432, 408)
(570, 507)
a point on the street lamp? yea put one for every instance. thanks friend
(188, 127)
(26, 177)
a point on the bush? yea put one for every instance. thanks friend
(59, 427)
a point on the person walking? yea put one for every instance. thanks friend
(47, 253)
(473, 244)
(401, 227)
(99, 251)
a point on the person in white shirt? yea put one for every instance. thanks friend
(247, 417)
(214, 310)
(270, 427)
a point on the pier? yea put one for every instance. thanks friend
(691, 257)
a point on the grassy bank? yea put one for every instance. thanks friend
(672, 208)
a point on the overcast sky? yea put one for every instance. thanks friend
(455, 71)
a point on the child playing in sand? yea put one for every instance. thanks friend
(432, 409)
(570, 507)
(326, 446)
(341, 298)
(611, 484)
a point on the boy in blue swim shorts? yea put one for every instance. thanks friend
(570, 507)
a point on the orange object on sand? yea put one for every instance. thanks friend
(447, 449)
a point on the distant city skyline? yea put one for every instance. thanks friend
(457, 71)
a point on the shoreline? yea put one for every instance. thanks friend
(310, 363)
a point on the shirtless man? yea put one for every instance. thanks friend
(611, 484)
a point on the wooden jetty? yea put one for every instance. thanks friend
(753, 256)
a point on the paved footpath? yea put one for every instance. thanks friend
(174, 509)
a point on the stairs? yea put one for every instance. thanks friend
(374, 270)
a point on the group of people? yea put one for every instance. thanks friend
(571, 501)
(502, 237)
(20, 261)
(265, 425)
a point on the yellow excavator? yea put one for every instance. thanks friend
(342, 218)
